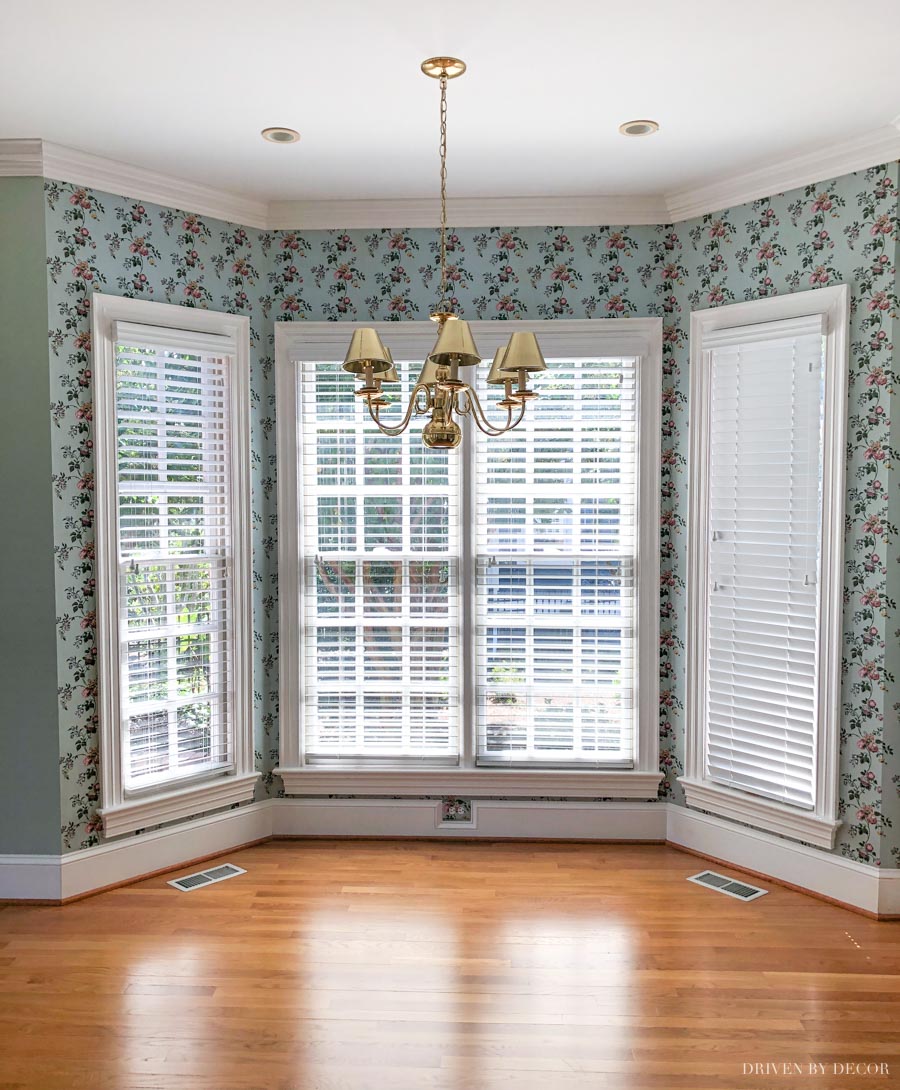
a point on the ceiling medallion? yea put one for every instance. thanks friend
(440, 393)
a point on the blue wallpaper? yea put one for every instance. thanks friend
(844, 230)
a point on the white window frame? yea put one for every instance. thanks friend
(818, 826)
(125, 811)
(640, 337)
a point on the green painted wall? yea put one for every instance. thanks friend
(29, 716)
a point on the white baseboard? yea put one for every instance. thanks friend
(30, 878)
(58, 877)
(55, 877)
(844, 880)
(491, 819)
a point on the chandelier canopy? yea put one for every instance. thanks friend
(439, 392)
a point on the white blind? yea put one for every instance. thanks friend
(380, 570)
(175, 552)
(765, 474)
(556, 544)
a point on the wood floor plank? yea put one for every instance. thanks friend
(334, 965)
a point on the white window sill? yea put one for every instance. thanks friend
(774, 817)
(504, 782)
(157, 809)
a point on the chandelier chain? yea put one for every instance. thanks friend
(443, 305)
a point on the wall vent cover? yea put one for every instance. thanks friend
(206, 877)
(730, 886)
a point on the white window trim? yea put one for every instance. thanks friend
(121, 811)
(640, 337)
(819, 826)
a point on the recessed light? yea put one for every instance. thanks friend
(280, 135)
(639, 128)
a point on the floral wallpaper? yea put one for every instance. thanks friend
(845, 230)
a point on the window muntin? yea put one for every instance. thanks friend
(173, 486)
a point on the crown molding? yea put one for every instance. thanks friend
(30, 158)
(469, 212)
(21, 159)
(873, 148)
(40, 158)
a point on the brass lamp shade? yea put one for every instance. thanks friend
(428, 374)
(497, 376)
(366, 350)
(390, 375)
(455, 344)
(523, 353)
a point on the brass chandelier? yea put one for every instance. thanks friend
(439, 392)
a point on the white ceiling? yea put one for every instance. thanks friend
(184, 88)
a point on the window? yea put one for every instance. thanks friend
(452, 615)
(768, 394)
(172, 474)
(555, 531)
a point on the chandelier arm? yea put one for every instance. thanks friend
(480, 417)
(400, 428)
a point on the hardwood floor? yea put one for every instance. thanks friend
(456, 966)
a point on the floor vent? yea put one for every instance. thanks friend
(730, 886)
(206, 877)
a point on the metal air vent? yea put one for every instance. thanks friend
(206, 877)
(730, 886)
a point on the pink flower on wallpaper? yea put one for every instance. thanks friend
(867, 814)
(876, 377)
(398, 304)
(766, 252)
(290, 305)
(870, 598)
(616, 241)
(560, 272)
(870, 671)
(506, 242)
(879, 301)
(83, 341)
(819, 275)
(615, 304)
(398, 242)
(82, 271)
(192, 224)
(139, 246)
(342, 272)
(80, 199)
(715, 295)
(85, 411)
(507, 304)
(882, 226)
(138, 212)
(822, 203)
(289, 242)
(718, 229)
(670, 272)
(193, 290)
(875, 452)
